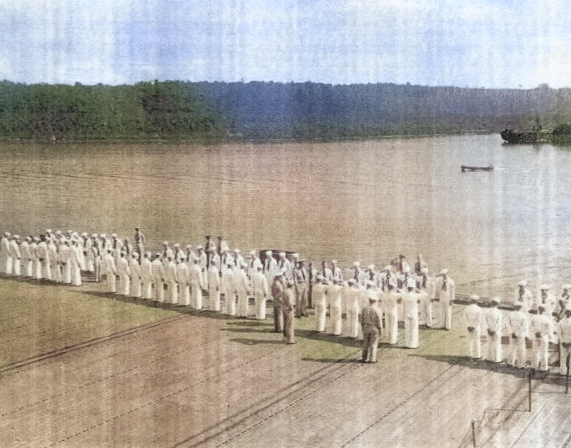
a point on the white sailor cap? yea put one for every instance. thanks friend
(356, 264)
(189, 246)
(518, 304)
(134, 254)
(371, 267)
(113, 235)
(544, 287)
(237, 251)
(522, 283)
(496, 300)
(282, 254)
(268, 253)
(83, 234)
(16, 237)
(566, 286)
(102, 235)
(165, 243)
(253, 253)
(6, 233)
(406, 269)
(48, 230)
(475, 297)
(176, 245)
(444, 271)
(199, 247)
(334, 261)
(424, 270)
(296, 255)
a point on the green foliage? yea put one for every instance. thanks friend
(269, 111)
(63, 112)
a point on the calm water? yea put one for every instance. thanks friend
(366, 201)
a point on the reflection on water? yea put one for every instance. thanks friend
(366, 201)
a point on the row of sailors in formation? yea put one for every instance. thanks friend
(37, 256)
(534, 326)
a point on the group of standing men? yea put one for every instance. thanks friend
(376, 302)
(527, 322)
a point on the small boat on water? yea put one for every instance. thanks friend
(477, 168)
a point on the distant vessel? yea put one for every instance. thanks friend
(477, 168)
(511, 136)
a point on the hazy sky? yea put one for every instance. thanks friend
(474, 43)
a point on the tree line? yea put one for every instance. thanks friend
(268, 110)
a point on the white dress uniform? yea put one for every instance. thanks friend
(135, 271)
(213, 278)
(334, 298)
(518, 321)
(158, 279)
(389, 301)
(261, 292)
(195, 281)
(65, 260)
(320, 302)
(352, 308)
(270, 267)
(523, 295)
(110, 272)
(183, 276)
(229, 286)
(427, 285)
(55, 266)
(564, 331)
(474, 320)
(16, 256)
(36, 264)
(410, 302)
(445, 292)
(172, 281)
(26, 257)
(6, 256)
(242, 291)
(44, 259)
(124, 273)
(494, 319)
(75, 264)
(253, 264)
(147, 277)
(541, 329)
(548, 300)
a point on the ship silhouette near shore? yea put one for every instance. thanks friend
(511, 136)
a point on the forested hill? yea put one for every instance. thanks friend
(267, 110)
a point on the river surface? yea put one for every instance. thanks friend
(368, 201)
